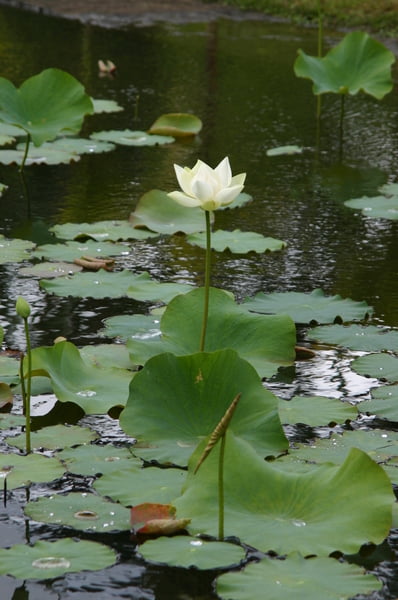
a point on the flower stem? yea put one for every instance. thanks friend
(221, 489)
(207, 281)
(28, 387)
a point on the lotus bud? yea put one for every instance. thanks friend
(22, 308)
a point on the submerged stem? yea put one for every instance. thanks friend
(207, 281)
(221, 489)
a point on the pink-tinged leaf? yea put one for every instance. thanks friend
(164, 526)
(142, 513)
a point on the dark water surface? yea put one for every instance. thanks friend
(237, 76)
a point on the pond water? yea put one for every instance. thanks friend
(237, 76)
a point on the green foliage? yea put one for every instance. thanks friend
(14, 250)
(176, 125)
(316, 410)
(365, 338)
(55, 437)
(237, 241)
(126, 137)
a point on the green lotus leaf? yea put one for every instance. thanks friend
(384, 403)
(158, 212)
(239, 242)
(9, 421)
(308, 308)
(104, 284)
(281, 150)
(78, 146)
(94, 389)
(135, 326)
(296, 577)
(380, 446)
(45, 155)
(357, 64)
(6, 139)
(366, 338)
(270, 509)
(176, 125)
(188, 396)
(46, 105)
(107, 355)
(106, 106)
(48, 560)
(131, 486)
(11, 131)
(71, 250)
(14, 250)
(111, 231)
(81, 511)
(6, 395)
(316, 410)
(92, 459)
(9, 370)
(185, 551)
(127, 137)
(55, 437)
(50, 270)
(267, 342)
(381, 366)
(376, 207)
(24, 470)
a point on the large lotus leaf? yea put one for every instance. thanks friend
(9, 370)
(93, 459)
(106, 106)
(366, 338)
(358, 63)
(185, 551)
(158, 212)
(384, 403)
(376, 206)
(46, 105)
(50, 270)
(237, 241)
(111, 231)
(382, 366)
(176, 125)
(380, 445)
(316, 410)
(136, 326)
(308, 308)
(14, 250)
(267, 342)
(47, 560)
(94, 389)
(81, 511)
(131, 138)
(329, 508)
(132, 486)
(107, 355)
(295, 577)
(71, 250)
(103, 284)
(24, 470)
(55, 437)
(45, 155)
(188, 395)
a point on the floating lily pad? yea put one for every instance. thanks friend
(79, 146)
(176, 125)
(296, 577)
(106, 106)
(316, 410)
(107, 355)
(189, 395)
(131, 138)
(280, 150)
(384, 403)
(50, 270)
(101, 231)
(48, 560)
(140, 327)
(71, 250)
(131, 486)
(309, 308)
(381, 366)
(14, 250)
(9, 369)
(267, 342)
(103, 284)
(185, 551)
(45, 155)
(94, 389)
(358, 63)
(81, 511)
(270, 509)
(9, 421)
(55, 437)
(239, 242)
(365, 338)
(383, 206)
(24, 470)
(92, 459)
(11, 131)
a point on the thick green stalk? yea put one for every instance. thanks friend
(28, 387)
(320, 50)
(207, 281)
(221, 489)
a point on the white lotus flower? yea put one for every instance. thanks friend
(206, 187)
